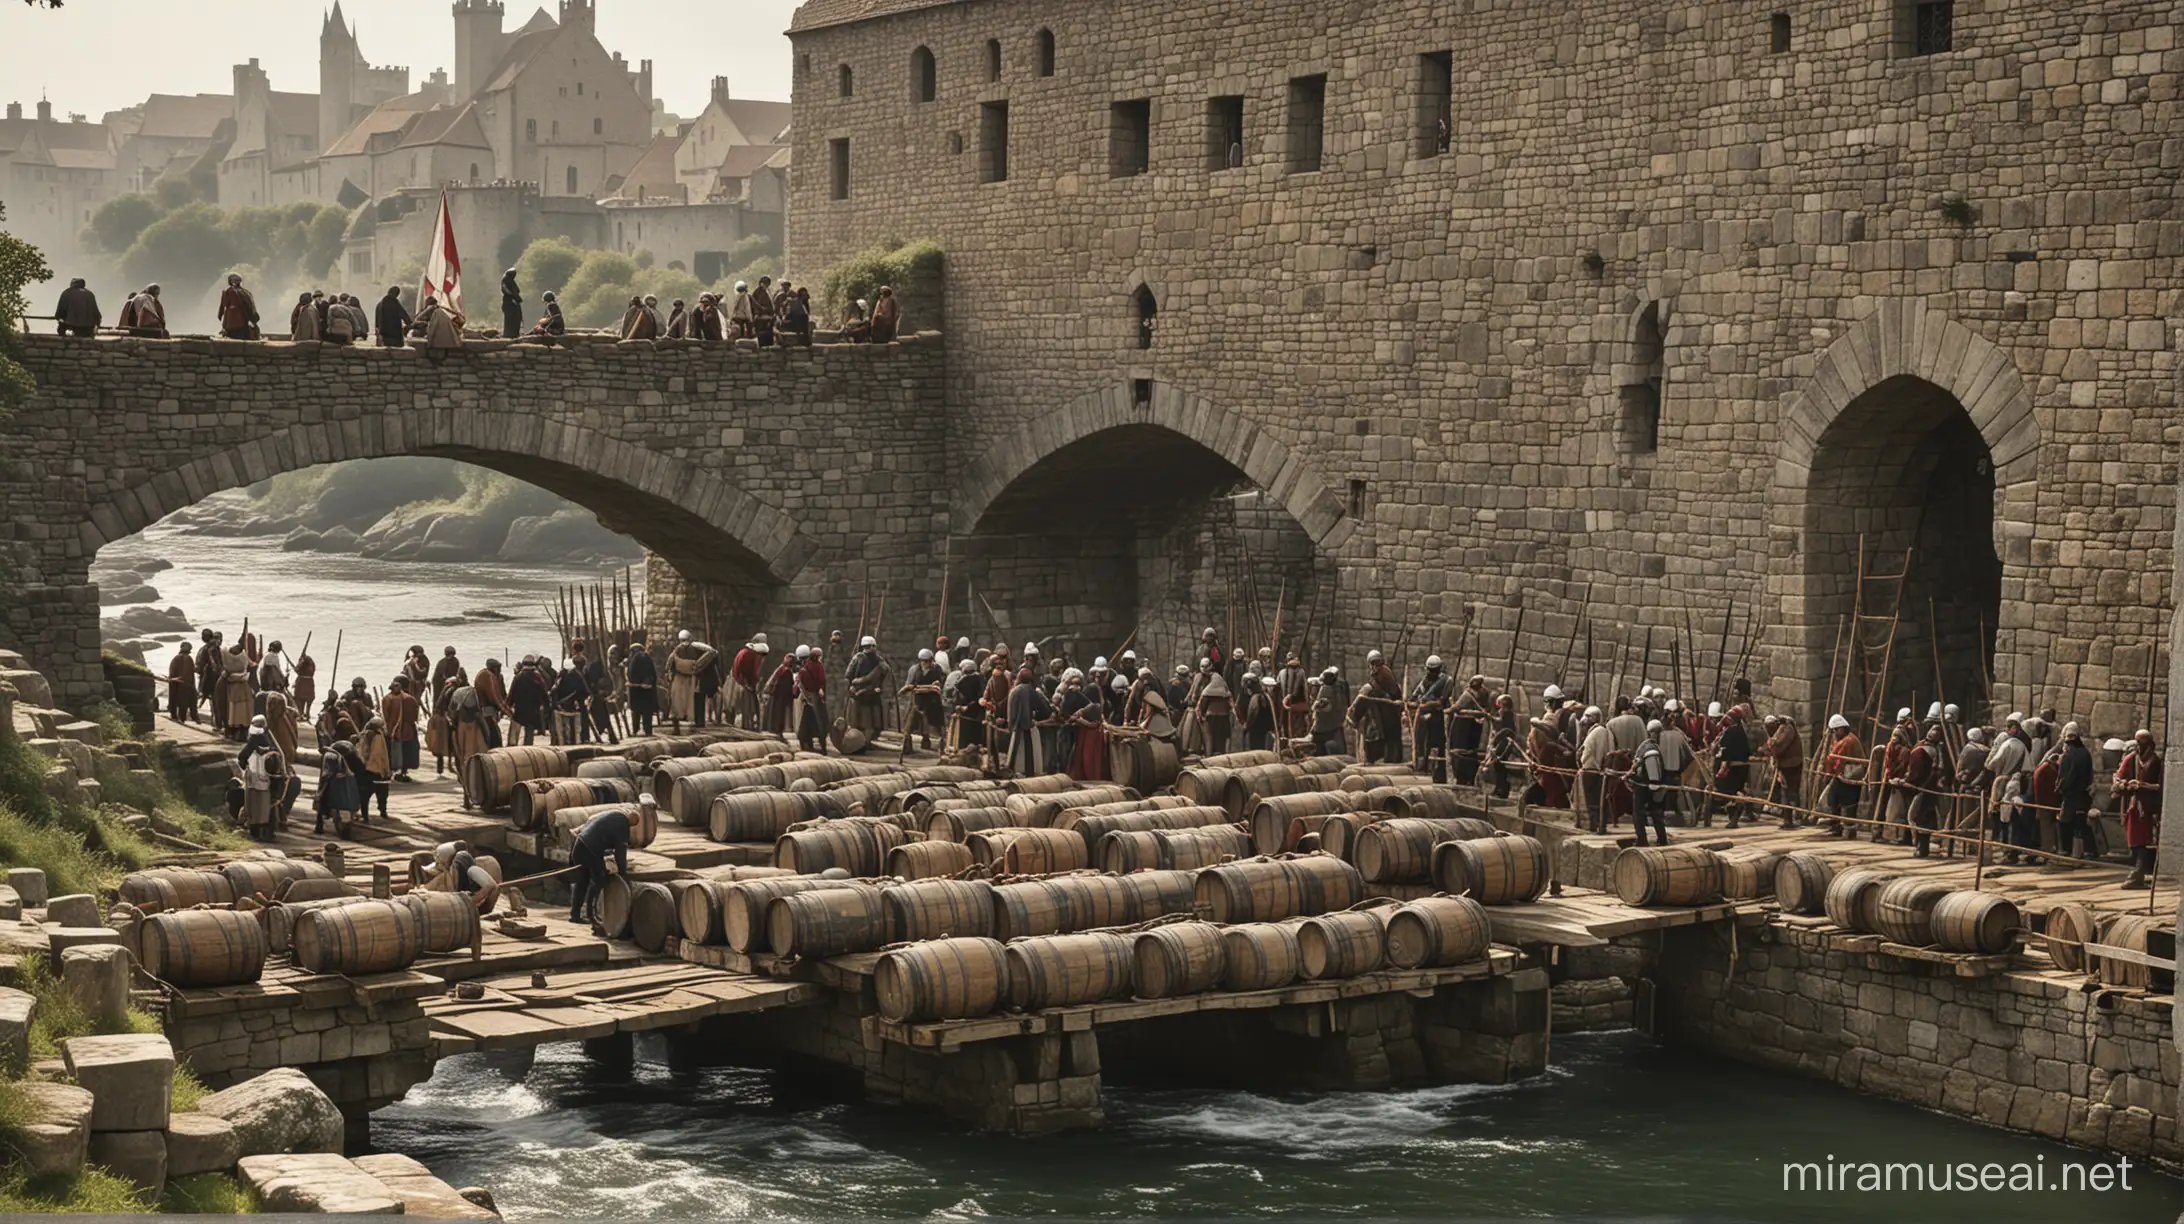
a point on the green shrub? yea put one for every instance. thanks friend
(546, 266)
(912, 268)
(92, 1191)
(207, 1194)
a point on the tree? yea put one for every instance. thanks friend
(21, 266)
(547, 265)
(118, 222)
(188, 248)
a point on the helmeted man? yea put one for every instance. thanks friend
(1786, 749)
(2074, 791)
(745, 676)
(1595, 748)
(1551, 760)
(867, 698)
(1649, 779)
(923, 687)
(1466, 731)
(1429, 730)
(1027, 708)
(641, 677)
(1844, 770)
(2138, 780)
(689, 663)
(812, 723)
(1214, 703)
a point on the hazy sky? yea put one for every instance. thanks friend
(95, 56)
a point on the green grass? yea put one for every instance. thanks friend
(113, 721)
(188, 1091)
(58, 1017)
(208, 1194)
(93, 1191)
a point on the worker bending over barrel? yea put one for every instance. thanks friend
(604, 833)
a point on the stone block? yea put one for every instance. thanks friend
(279, 1111)
(29, 884)
(129, 1075)
(60, 939)
(421, 1193)
(11, 904)
(97, 977)
(15, 1010)
(56, 1138)
(201, 1143)
(73, 910)
(139, 1157)
(316, 1183)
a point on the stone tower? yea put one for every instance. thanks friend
(577, 14)
(339, 63)
(479, 43)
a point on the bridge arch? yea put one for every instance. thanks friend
(705, 527)
(1915, 439)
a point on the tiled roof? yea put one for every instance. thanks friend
(814, 14)
(191, 117)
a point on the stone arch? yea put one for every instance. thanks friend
(1287, 477)
(704, 526)
(1902, 366)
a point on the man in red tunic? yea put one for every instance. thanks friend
(2138, 779)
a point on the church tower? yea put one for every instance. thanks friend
(577, 14)
(339, 63)
(479, 44)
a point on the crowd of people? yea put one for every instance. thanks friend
(768, 315)
(2025, 787)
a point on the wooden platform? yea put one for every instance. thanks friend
(580, 1006)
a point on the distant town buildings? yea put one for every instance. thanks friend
(541, 131)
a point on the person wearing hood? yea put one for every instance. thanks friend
(867, 674)
(208, 673)
(1429, 723)
(448, 670)
(303, 321)
(1552, 760)
(182, 685)
(416, 670)
(529, 700)
(551, 322)
(763, 312)
(1084, 716)
(678, 321)
(145, 315)
(2138, 781)
(886, 315)
(2074, 794)
(642, 678)
(1465, 731)
(705, 322)
(1786, 750)
(78, 311)
(689, 663)
(1732, 765)
(511, 305)
(639, 323)
(812, 724)
(238, 310)
(795, 307)
(393, 319)
(338, 795)
(781, 694)
(739, 313)
(1028, 708)
(571, 699)
(236, 698)
(923, 688)
(1212, 704)
(401, 710)
(1843, 771)
(264, 777)
(599, 683)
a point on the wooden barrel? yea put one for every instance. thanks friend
(1129, 850)
(617, 769)
(1850, 898)
(1324, 883)
(1342, 945)
(446, 921)
(491, 776)
(1142, 763)
(1508, 870)
(174, 888)
(1401, 850)
(1430, 803)
(1801, 883)
(1259, 956)
(280, 920)
(1182, 958)
(927, 860)
(1066, 970)
(1040, 784)
(1202, 783)
(662, 773)
(197, 948)
(1748, 875)
(652, 915)
(689, 799)
(938, 909)
(1339, 836)
(1435, 931)
(957, 824)
(743, 907)
(1966, 921)
(644, 822)
(1078, 902)
(2070, 927)
(1905, 909)
(1667, 875)
(857, 846)
(265, 876)
(827, 922)
(698, 911)
(1031, 851)
(1273, 815)
(941, 979)
(743, 750)
(763, 816)
(1093, 828)
(367, 937)
(531, 804)
(1242, 759)
(614, 906)
(1190, 849)
(1253, 890)
(1302, 827)
(2128, 932)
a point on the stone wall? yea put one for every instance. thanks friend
(792, 481)
(1833, 269)
(2028, 1050)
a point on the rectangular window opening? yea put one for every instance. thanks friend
(1436, 104)
(1307, 122)
(993, 142)
(1141, 390)
(1225, 132)
(1925, 27)
(1130, 138)
(1357, 499)
(1641, 418)
(1778, 34)
(838, 160)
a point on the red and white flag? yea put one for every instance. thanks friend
(443, 267)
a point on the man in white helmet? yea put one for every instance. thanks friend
(1650, 782)
(923, 688)
(2009, 757)
(1328, 713)
(1467, 729)
(1843, 771)
(1429, 701)
(1296, 700)
(867, 673)
(1594, 746)
(691, 665)
(1381, 701)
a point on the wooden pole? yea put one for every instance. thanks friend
(1569, 648)
(1516, 635)
(1721, 653)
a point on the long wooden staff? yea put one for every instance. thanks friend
(1516, 635)
(1281, 601)
(1569, 648)
(1721, 654)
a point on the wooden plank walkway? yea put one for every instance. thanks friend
(515, 1011)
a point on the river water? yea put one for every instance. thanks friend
(1619, 1127)
(375, 609)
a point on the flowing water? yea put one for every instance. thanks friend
(1620, 1127)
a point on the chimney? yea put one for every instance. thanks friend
(720, 91)
(644, 80)
(45, 111)
(15, 110)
